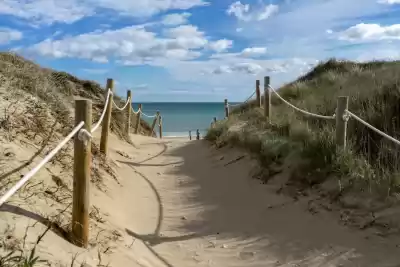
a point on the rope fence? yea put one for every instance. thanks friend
(342, 114)
(82, 134)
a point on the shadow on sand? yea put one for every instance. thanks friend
(236, 207)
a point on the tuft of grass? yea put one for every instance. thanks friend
(370, 162)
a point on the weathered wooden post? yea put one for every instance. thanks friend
(154, 123)
(226, 108)
(137, 128)
(107, 119)
(160, 125)
(128, 112)
(341, 122)
(267, 98)
(258, 94)
(81, 179)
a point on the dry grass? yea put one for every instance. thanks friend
(371, 163)
(58, 89)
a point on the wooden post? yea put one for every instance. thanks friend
(137, 128)
(267, 98)
(128, 112)
(341, 123)
(197, 134)
(258, 94)
(154, 123)
(81, 184)
(226, 108)
(107, 119)
(160, 126)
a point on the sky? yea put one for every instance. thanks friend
(197, 50)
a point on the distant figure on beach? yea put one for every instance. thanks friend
(198, 134)
(190, 135)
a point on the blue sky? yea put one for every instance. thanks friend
(197, 50)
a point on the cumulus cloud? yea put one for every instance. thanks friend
(175, 19)
(249, 52)
(247, 68)
(8, 35)
(68, 11)
(371, 32)
(243, 11)
(46, 11)
(253, 51)
(221, 45)
(129, 46)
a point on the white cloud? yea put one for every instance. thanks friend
(250, 52)
(129, 46)
(389, 2)
(371, 32)
(69, 11)
(243, 11)
(247, 68)
(46, 11)
(175, 19)
(221, 45)
(269, 10)
(8, 35)
(254, 51)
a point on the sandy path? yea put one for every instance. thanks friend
(183, 207)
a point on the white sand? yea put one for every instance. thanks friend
(178, 205)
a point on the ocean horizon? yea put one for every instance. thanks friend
(181, 117)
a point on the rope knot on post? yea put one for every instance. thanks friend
(84, 136)
(346, 116)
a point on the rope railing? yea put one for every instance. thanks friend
(126, 104)
(136, 112)
(349, 114)
(301, 110)
(342, 114)
(94, 128)
(148, 116)
(239, 104)
(82, 158)
(32, 172)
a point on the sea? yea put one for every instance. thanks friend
(180, 118)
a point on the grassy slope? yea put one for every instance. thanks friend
(58, 89)
(371, 162)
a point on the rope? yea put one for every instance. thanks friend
(250, 97)
(236, 105)
(126, 104)
(144, 114)
(301, 110)
(136, 112)
(372, 127)
(32, 172)
(102, 114)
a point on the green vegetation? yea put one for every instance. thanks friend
(370, 163)
(58, 89)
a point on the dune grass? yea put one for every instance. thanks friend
(58, 89)
(370, 162)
